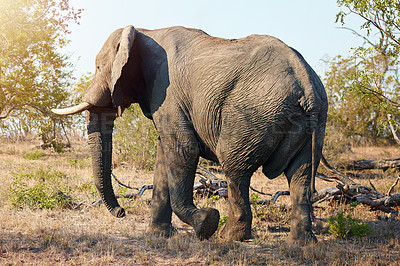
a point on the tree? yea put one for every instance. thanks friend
(34, 74)
(365, 88)
(136, 138)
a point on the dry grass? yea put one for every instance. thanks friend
(92, 236)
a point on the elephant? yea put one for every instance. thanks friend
(244, 103)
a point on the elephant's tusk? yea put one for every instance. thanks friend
(73, 109)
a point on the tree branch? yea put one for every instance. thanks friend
(337, 175)
(395, 131)
(378, 94)
(392, 187)
(376, 25)
(21, 106)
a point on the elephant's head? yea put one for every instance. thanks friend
(114, 86)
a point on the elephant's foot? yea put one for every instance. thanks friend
(300, 228)
(236, 231)
(301, 239)
(164, 230)
(205, 222)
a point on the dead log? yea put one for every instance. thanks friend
(324, 194)
(384, 164)
(210, 185)
(336, 175)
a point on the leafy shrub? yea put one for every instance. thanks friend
(254, 198)
(270, 212)
(58, 146)
(215, 198)
(34, 155)
(39, 189)
(343, 226)
(222, 221)
(136, 138)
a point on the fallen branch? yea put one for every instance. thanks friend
(337, 175)
(392, 187)
(371, 164)
(122, 184)
(324, 194)
(280, 193)
(260, 192)
(210, 185)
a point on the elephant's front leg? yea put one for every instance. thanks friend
(299, 178)
(161, 210)
(238, 225)
(181, 163)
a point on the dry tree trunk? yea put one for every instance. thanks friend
(395, 131)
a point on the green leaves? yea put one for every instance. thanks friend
(365, 87)
(136, 138)
(39, 189)
(34, 74)
(343, 226)
(380, 16)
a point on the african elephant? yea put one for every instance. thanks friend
(244, 103)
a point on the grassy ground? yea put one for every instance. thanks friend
(57, 235)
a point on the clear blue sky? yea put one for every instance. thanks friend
(307, 25)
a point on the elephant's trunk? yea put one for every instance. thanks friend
(100, 128)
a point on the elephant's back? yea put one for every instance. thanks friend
(245, 96)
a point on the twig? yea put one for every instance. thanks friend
(280, 193)
(68, 201)
(222, 192)
(66, 135)
(378, 94)
(144, 188)
(260, 192)
(392, 187)
(372, 185)
(122, 184)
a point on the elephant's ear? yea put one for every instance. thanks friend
(121, 58)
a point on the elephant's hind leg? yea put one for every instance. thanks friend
(298, 174)
(238, 225)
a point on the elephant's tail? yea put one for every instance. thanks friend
(314, 159)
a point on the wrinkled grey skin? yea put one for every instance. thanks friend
(246, 103)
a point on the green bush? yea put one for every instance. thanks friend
(136, 138)
(343, 226)
(215, 198)
(222, 221)
(254, 198)
(34, 155)
(39, 189)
